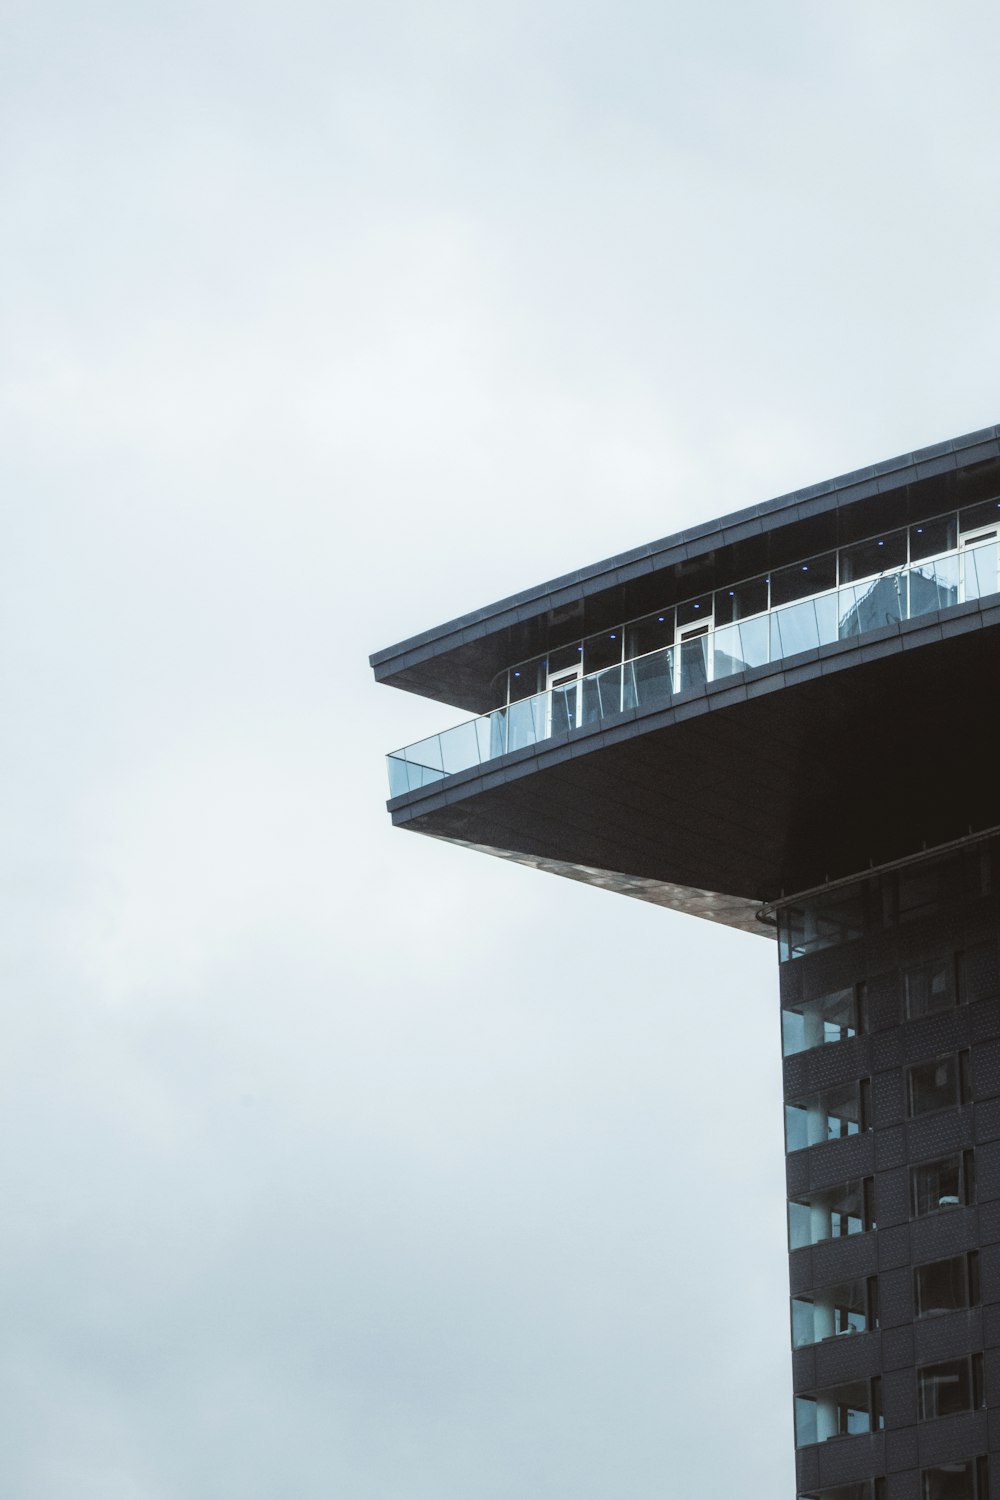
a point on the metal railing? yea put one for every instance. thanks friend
(853, 609)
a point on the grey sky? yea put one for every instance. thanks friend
(338, 1162)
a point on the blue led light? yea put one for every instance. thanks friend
(517, 674)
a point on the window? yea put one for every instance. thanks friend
(964, 1480)
(943, 1184)
(826, 922)
(651, 634)
(838, 1411)
(741, 601)
(952, 1386)
(831, 1213)
(942, 1083)
(929, 988)
(865, 559)
(944, 1286)
(828, 1116)
(813, 576)
(828, 1018)
(837, 1311)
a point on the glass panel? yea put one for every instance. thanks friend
(694, 663)
(869, 606)
(814, 576)
(831, 1312)
(876, 555)
(526, 722)
(814, 1023)
(492, 734)
(930, 537)
(459, 748)
(794, 629)
(603, 650)
(652, 679)
(981, 571)
(828, 1214)
(602, 694)
(929, 988)
(941, 1287)
(741, 600)
(728, 658)
(933, 1085)
(944, 1389)
(399, 780)
(564, 707)
(526, 678)
(693, 610)
(654, 633)
(563, 658)
(936, 1185)
(827, 1116)
(974, 517)
(934, 586)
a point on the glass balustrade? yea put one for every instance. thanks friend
(652, 680)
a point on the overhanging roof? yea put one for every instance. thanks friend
(456, 662)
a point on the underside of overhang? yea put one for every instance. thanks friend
(809, 773)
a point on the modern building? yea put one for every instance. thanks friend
(788, 721)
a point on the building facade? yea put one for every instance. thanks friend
(786, 722)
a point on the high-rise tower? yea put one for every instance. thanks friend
(787, 721)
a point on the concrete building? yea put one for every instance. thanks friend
(787, 721)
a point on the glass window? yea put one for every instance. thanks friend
(816, 1023)
(813, 576)
(827, 1116)
(839, 1411)
(929, 988)
(965, 1479)
(975, 517)
(826, 922)
(832, 1312)
(952, 1386)
(946, 1285)
(742, 600)
(831, 1213)
(864, 559)
(946, 1183)
(938, 1084)
(604, 650)
(693, 611)
(653, 633)
(527, 678)
(928, 538)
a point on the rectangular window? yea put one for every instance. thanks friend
(946, 1183)
(815, 1023)
(604, 650)
(929, 988)
(946, 1285)
(941, 1083)
(865, 559)
(954, 1385)
(831, 1213)
(828, 1116)
(837, 1311)
(653, 633)
(928, 538)
(813, 576)
(838, 1411)
(741, 601)
(966, 1479)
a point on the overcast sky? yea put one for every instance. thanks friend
(338, 1162)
